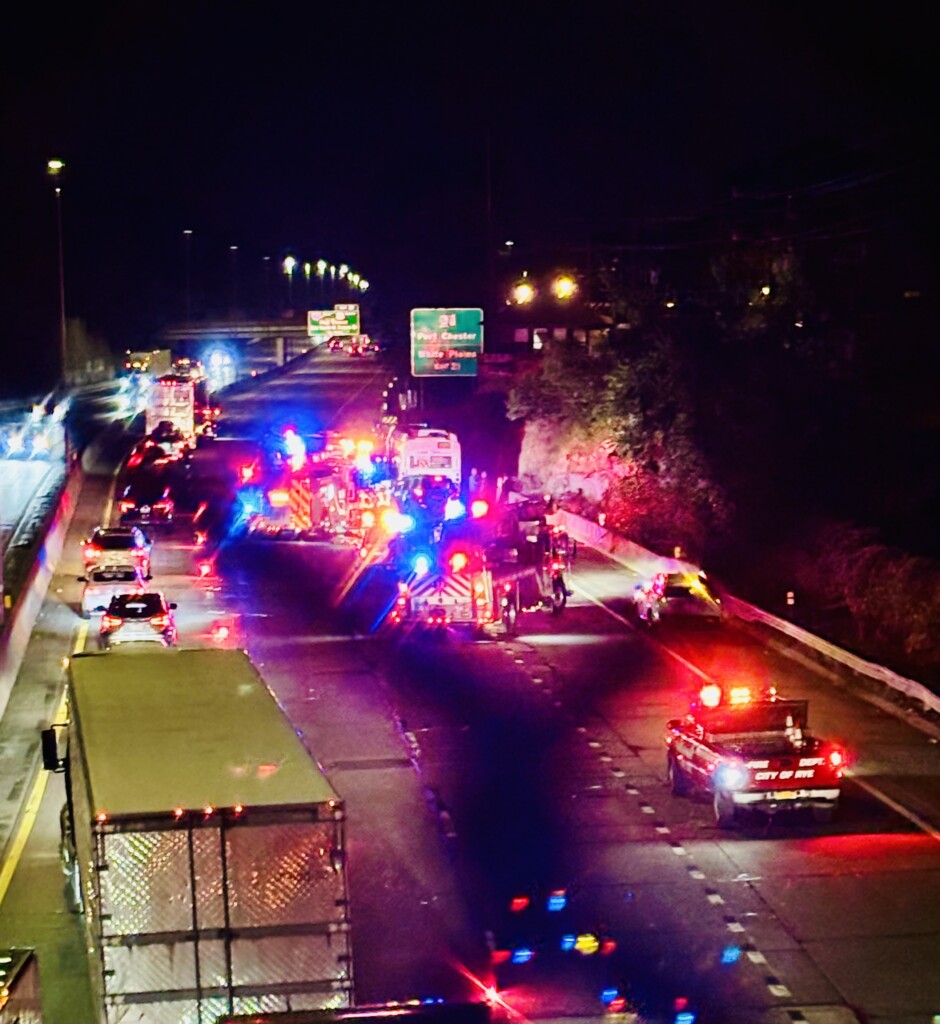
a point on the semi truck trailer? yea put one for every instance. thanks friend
(203, 842)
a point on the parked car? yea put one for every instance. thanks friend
(138, 618)
(146, 499)
(105, 582)
(117, 545)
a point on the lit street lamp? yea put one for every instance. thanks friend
(55, 169)
(188, 271)
(523, 293)
(289, 265)
(564, 287)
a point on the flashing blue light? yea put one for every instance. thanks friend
(557, 901)
(730, 955)
(609, 995)
(568, 941)
(421, 565)
(454, 509)
(522, 955)
(686, 1017)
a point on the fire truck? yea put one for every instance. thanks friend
(751, 750)
(483, 570)
(324, 493)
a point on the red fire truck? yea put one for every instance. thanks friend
(484, 571)
(753, 753)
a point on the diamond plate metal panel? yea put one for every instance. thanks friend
(207, 860)
(281, 874)
(146, 885)
(289, 958)
(182, 1012)
(149, 968)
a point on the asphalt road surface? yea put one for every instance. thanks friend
(507, 797)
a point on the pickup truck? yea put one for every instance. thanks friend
(754, 755)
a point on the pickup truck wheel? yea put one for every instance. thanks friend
(724, 810)
(823, 815)
(678, 780)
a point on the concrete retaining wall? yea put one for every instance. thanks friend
(19, 627)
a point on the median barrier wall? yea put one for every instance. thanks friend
(22, 618)
(646, 563)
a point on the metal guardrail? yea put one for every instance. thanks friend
(645, 562)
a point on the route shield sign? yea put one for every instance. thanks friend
(446, 342)
(343, 318)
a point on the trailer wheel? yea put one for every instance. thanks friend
(823, 815)
(559, 596)
(679, 782)
(724, 810)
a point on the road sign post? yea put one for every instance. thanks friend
(446, 342)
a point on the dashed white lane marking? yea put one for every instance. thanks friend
(756, 956)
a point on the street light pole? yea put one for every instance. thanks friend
(55, 168)
(187, 269)
(233, 249)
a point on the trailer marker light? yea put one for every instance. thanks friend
(101, 816)
(238, 808)
(208, 809)
(177, 812)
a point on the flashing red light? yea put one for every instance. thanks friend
(205, 568)
(458, 561)
(836, 758)
(246, 473)
(200, 538)
(607, 946)
(710, 695)
(519, 903)
(479, 508)
(680, 1003)
(220, 633)
(500, 956)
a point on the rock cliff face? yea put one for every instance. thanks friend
(560, 459)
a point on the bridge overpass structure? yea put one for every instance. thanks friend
(257, 343)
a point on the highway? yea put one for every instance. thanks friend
(509, 794)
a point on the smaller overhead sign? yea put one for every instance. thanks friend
(446, 342)
(343, 318)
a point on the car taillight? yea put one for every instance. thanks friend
(110, 622)
(126, 506)
(163, 506)
(91, 550)
(160, 621)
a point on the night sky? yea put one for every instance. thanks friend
(361, 135)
